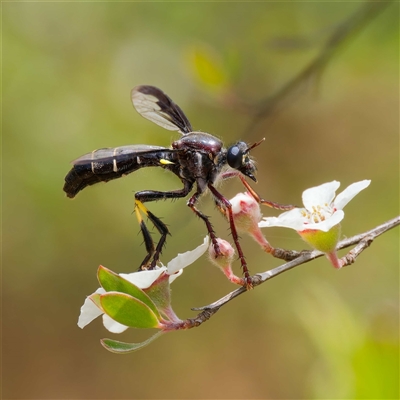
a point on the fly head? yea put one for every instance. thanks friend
(238, 157)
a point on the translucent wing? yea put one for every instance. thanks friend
(122, 152)
(154, 105)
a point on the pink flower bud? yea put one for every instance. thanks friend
(223, 262)
(247, 215)
(246, 212)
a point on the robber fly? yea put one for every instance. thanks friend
(196, 158)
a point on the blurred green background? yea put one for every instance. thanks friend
(313, 332)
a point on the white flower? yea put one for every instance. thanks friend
(143, 280)
(322, 211)
(183, 260)
(319, 222)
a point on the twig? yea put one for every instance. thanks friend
(350, 26)
(362, 241)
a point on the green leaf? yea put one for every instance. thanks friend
(95, 297)
(128, 310)
(160, 294)
(125, 348)
(112, 282)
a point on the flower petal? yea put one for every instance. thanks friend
(320, 195)
(89, 311)
(343, 198)
(174, 276)
(327, 224)
(144, 279)
(187, 258)
(113, 326)
(293, 219)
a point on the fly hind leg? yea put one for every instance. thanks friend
(154, 252)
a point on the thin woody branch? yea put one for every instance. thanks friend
(344, 32)
(362, 241)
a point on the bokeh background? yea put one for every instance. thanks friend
(313, 332)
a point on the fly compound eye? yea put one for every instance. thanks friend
(235, 157)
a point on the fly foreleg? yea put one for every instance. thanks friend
(255, 195)
(274, 251)
(272, 204)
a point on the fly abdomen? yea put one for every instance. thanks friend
(104, 165)
(88, 174)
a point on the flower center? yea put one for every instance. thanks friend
(318, 213)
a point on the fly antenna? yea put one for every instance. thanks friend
(254, 145)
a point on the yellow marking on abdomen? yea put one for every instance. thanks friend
(165, 162)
